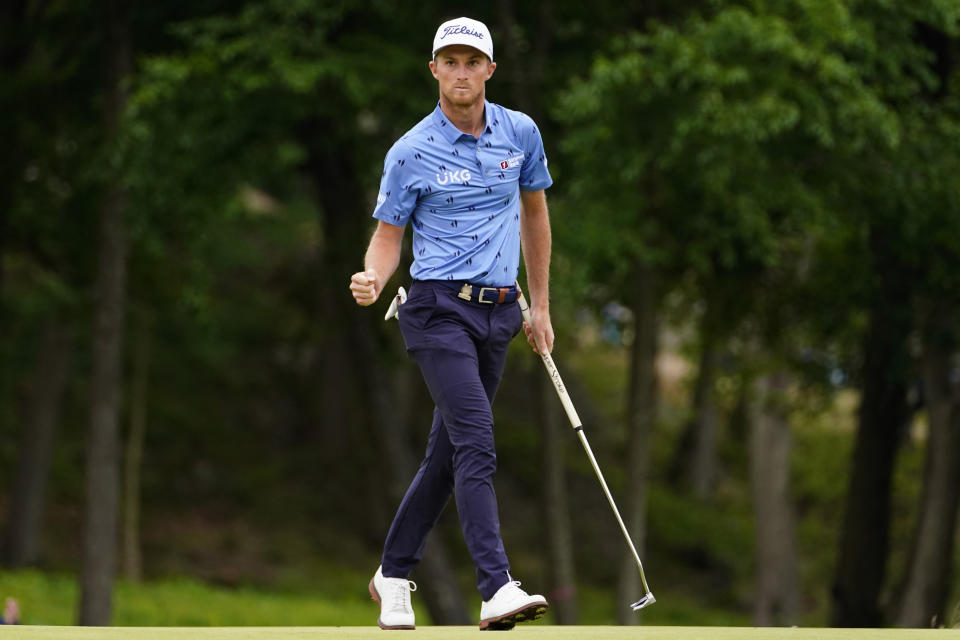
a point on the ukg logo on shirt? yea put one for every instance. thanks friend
(453, 177)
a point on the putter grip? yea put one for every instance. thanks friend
(552, 369)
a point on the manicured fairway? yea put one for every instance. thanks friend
(539, 632)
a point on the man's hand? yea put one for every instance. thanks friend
(540, 334)
(365, 287)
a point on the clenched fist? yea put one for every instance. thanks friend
(365, 287)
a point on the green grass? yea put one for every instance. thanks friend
(52, 600)
(186, 609)
(532, 631)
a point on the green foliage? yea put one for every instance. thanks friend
(705, 142)
(820, 463)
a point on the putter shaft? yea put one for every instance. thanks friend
(577, 425)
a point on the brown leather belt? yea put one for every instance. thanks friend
(481, 293)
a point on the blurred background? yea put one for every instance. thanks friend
(755, 288)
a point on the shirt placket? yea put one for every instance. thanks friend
(471, 149)
(484, 156)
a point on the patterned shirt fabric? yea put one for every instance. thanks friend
(462, 194)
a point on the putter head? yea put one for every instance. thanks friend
(645, 601)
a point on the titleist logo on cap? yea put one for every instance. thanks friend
(466, 31)
(455, 29)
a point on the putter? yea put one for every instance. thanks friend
(647, 598)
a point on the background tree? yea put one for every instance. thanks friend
(103, 454)
(888, 199)
(715, 129)
(929, 174)
(44, 254)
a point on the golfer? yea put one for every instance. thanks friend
(470, 178)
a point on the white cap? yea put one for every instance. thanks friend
(468, 31)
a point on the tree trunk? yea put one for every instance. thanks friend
(102, 473)
(558, 534)
(132, 558)
(642, 401)
(695, 463)
(775, 595)
(864, 541)
(21, 542)
(341, 216)
(924, 596)
(704, 458)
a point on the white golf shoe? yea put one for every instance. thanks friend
(510, 605)
(393, 596)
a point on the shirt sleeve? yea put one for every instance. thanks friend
(398, 193)
(534, 174)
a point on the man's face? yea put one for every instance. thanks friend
(461, 72)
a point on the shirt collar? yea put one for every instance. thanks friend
(450, 131)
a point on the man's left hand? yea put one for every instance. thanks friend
(540, 334)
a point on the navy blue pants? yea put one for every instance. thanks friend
(461, 348)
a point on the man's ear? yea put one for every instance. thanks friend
(491, 68)
(433, 67)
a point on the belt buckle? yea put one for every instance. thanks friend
(480, 295)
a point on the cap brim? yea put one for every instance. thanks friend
(462, 44)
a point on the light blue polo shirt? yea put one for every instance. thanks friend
(463, 194)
